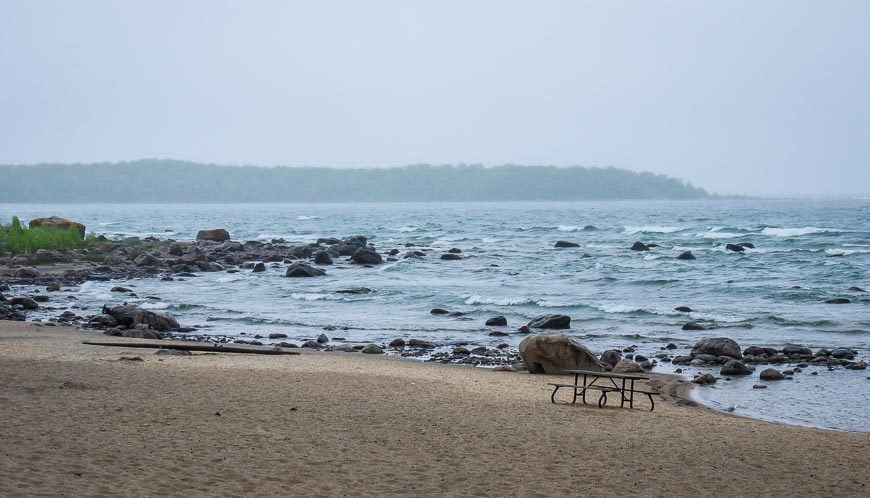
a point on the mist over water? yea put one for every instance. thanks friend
(806, 252)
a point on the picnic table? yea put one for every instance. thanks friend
(603, 382)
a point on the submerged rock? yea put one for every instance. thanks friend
(704, 379)
(771, 374)
(303, 270)
(694, 326)
(565, 243)
(497, 321)
(366, 256)
(639, 246)
(686, 255)
(735, 367)
(734, 247)
(683, 309)
(550, 322)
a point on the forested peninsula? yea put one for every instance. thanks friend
(152, 180)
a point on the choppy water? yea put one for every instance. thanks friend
(807, 251)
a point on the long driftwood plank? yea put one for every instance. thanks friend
(211, 347)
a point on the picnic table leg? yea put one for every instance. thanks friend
(631, 395)
(553, 396)
(622, 395)
(602, 400)
(652, 404)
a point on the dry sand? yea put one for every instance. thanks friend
(76, 420)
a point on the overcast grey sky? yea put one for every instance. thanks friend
(755, 96)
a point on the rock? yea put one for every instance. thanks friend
(322, 339)
(329, 241)
(799, 350)
(694, 326)
(735, 367)
(312, 344)
(322, 258)
(746, 245)
(760, 351)
(450, 256)
(27, 303)
(759, 386)
(855, 288)
(420, 343)
(553, 353)
(706, 358)
(176, 249)
(214, 234)
(439, 311)
(610, 357)
(397, 343)
(118, 288)
(354, 290)
(141, 334)
(704, 379)
(50, 288)
(843, 354)
(131, 315)
(303, 270)
(277, 336)
(857, 366)
(671, 345)
(462, 351)
(718, 346)
(640, 358)
(565, 243)
(103, 321)
(550, 322)
(372, 349)
(771, 374)
(639, 246)
(838, 300)
(524, 329)
(734, 247)
(686, 255)
(497, 321)
(498, 333)
(259, 267)
(366, 256)
(59, 223)
(28, 272)
(627, 366)
(683, 309)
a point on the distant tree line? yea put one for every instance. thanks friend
(152, 180)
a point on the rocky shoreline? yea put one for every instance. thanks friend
(60, 271)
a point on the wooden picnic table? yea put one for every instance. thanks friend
(603, 382)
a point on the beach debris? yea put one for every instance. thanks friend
(550, 322)
(553, 353)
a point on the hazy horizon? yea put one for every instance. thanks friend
(757, 98)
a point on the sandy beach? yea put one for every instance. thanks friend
(79, 420)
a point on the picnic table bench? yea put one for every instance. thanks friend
(625, 388)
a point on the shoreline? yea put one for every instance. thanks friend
(79, 420)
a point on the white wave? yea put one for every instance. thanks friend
(719, 235)
(407, 229)
(109, 223)
(310, 296)
(651, 257)
(796, 232)
(568, 228)
(845, 252)
(305, 217)
(490, 240)
(622, 308)
(154, 306)
(270, 236)
(478, 299)
(652, 229)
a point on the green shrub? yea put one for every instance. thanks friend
(17, 239)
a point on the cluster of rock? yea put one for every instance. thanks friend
(132, 321)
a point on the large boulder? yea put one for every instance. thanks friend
(131, 315)
(303, 270)
(627, 366)
(550, 322)
(56, 222)
(215, 234)
(366, 256)
(611, 357)
(718, 346)
(553, 353)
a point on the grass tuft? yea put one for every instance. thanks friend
(17, 239)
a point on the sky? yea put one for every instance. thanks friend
(756, 97)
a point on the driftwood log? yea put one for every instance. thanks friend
(210, 347)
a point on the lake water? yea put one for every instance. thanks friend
(806, 252)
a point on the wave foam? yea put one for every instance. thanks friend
(652, 229)
(796, 232)
(305, 217)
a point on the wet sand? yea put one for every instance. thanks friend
(77, 419)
